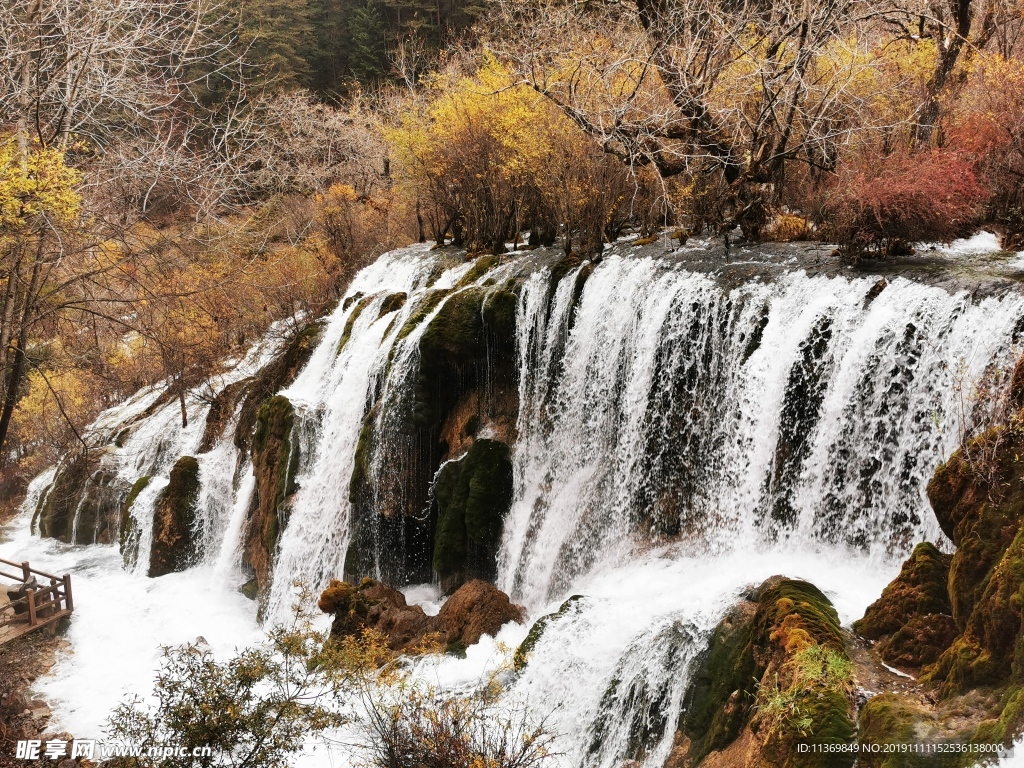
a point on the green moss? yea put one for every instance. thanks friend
(722, 685)
(522, 655)
(919, 590)
(346, 334)
(473, 496)
(474, 326)
(129, 536)
(781, 668)
(894, 719)
(425, 306)
(361, 463)
(392, 303)
(65, 495)
(481, 266)
(273, 378)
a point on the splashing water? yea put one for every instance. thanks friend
(681, 436)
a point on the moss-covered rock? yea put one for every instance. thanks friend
(921, 641)
(978, 497)
(275, 458)
(392, 303)
(423, 308)
(890, 719)
(346, 333)
(521, 657)
(913, 618)
(473, 495)
(481, 266)
(83, 504)
(466, 367)
(129, 531)
(722, 685)
(919, 590)
(177, 538)
(222, 409)
(273, 378)
(777, 669)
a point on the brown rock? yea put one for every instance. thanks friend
(921, 641)
(475, 609)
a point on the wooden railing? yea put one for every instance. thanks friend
(40, 605)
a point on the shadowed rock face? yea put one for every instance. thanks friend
(476, 609)
(464, 381)
(177, 543)
(275, 458)
(473, 495)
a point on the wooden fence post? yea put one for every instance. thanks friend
(68, 602)
(30, 596)
(26, 572)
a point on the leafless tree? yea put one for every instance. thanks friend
(739, 90)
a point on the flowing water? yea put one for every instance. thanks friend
(682, 434)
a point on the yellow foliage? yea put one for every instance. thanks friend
(38, 184)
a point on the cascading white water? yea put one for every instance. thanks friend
(794, 409)
(680, 435)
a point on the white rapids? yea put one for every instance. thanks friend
(680, 438)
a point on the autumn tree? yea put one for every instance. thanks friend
(731, 93)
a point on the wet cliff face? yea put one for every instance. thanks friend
(458, 385)
(177, 533)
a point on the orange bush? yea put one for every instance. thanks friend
(933, 195)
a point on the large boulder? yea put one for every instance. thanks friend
(476, 609)
(177, 538)
(775, 674)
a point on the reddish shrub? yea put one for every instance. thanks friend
(931, 195)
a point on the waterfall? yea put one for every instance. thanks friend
(666, 407)
(685, 428)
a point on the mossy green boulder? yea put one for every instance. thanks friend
(776, 666)
(473, 495)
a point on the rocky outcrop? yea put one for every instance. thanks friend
(913, 619)
(959, 617)
(129, 533)
(476, 609)
(83, 504)
(177, 540)
(463, 387)
(273, 378)
(521, 657)
(775, 674)
(978, 498)
(275, 458)
(472, 495)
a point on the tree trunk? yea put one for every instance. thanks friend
(181, 400)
